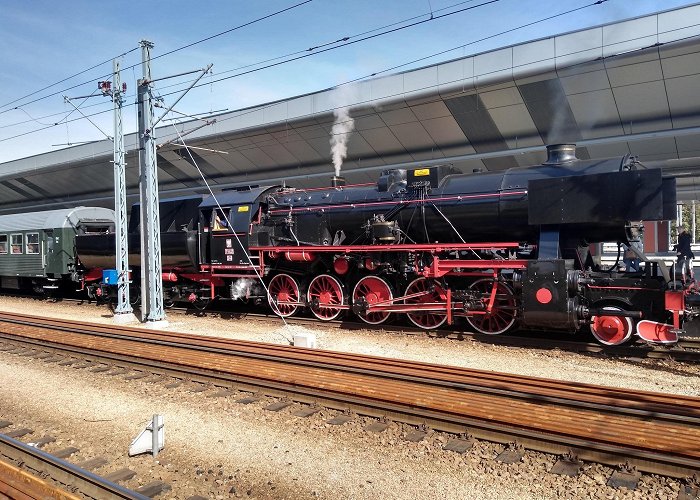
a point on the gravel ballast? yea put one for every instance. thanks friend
(219, 448)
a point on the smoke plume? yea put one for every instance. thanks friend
(340, 134)
(241, 288)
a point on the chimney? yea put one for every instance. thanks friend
(337, 181)
(560, 153)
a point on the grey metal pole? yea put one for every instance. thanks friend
(122, 244)
(151, 276)
(692, 219)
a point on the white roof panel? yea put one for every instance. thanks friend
(54, 219)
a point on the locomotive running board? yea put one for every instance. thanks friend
(657, 333)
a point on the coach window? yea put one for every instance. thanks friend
(33, 243)
(16, 246)
(3, 243)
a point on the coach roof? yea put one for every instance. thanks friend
(53, 219)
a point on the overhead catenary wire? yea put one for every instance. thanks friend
(375, 73)
(501, 33)
(65, 115)
(65, 79)
(337, 40)
(258, 108)
(59, 92)
(262, 18)
(32, 119)
(598, 2)
(255, 109)
(276, 58)
(109, 137)
(487, 2)
(351, 42)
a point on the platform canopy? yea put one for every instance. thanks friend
(631, 87)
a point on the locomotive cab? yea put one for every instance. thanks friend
(226, 229)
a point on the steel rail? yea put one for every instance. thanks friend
(686, 350)
(254, 350)
(658, 433)
(625, 400)
(61, 471)
(534, 383)
(18, 484)
(677, 352)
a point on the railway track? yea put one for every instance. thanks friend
(67, 481)
(687, 349)
(656, 433)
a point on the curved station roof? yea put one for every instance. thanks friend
(627, 87)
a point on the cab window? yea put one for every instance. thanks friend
(220, 222)
(16, 245)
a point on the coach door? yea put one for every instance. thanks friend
(51, 255)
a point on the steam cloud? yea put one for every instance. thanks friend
(342, 127)
(241, 288)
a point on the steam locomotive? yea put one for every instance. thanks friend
(499, 250)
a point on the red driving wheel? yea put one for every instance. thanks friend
(283, 295)
(427, 292)
(325, 292)
(503, 312)
(373, 290)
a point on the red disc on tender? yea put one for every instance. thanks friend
(543, 296)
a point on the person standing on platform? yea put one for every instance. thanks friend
(631, 257)
(685, 255)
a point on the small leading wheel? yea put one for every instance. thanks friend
(373, 290)
(612, 330)
(426, 292)
(325, 292)
(503, 312)
(283, 295)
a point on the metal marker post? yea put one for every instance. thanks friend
(156, 425)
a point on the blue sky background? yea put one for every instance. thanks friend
(42, 42)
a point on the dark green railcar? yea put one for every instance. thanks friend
(37, 249)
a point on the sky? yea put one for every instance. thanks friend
(43, 43)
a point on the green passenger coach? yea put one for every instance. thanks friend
(37, 250)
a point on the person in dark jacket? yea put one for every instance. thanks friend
(685, 254)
